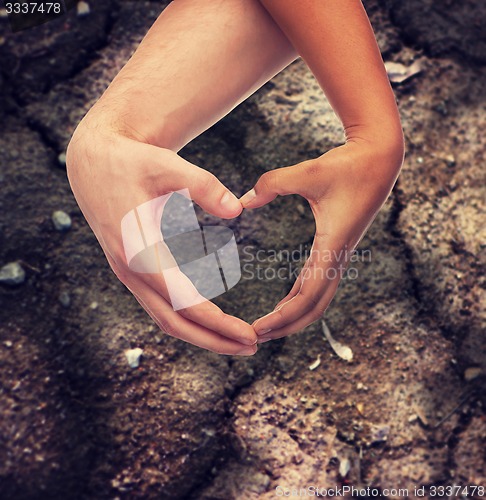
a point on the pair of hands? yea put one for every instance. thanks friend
(111, 173)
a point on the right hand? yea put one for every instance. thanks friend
(111, 174)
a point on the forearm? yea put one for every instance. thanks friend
(336, 40)
(197, 62)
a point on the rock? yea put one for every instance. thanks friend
(12, 274)
(83, 9)
(65, 299)
(62, 160)
(380, 434)
(133, 357)
(344, 467)
(472, 373)
(61, 220)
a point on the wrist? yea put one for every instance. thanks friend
(385, 145)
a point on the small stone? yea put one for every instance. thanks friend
(64, 299)
(472, 372)
(93, 305)
(360, 408)
(380, 434)
(8, 343)
(83, 9)
(344, 467)
(12, 274)
(133, 357)
(61, 220)
(412, 419)
(450, 160)
(62, 159)
(311, 405)
(359, 386)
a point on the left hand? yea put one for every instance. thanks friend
(345, 188)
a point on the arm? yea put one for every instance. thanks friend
(198, 61)
(348, 185)
(335, 39)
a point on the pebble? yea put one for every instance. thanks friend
(344, 467)
(65, 299)
(133, 357)
(380, 434)
(12, 274)
(312, 404)
(472, 372)
(61, 220)
(450, 160)
(62, 159)
(83, 9)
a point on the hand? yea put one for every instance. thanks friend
(110, 175)
(345, 189)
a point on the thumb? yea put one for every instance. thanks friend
(204, 188)
(281, 181)
(212, 195)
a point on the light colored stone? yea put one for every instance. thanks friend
(12, 274)
(133, 357)
(61, 220)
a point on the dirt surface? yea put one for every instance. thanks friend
(408, 411)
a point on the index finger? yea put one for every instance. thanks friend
(320, 276)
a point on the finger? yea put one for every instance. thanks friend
(281, 181)
(323, 271)
(303, 321)
(173, 323)
(295, 288)
(175, 173)
(203, 311)
(180, 327)
(150, 255)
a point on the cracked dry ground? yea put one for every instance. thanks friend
(77, 422)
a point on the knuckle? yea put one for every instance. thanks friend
(315, 314)
(168, 327)
(218, 349)
(268, 181)
(121, 272)
(312, 169)
(208, 185)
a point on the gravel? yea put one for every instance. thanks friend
(133, 357)
(12, 274)
(61, 220)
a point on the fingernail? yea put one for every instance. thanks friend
(248, 197)
(247, 351)
(230, 201)
(248, 341)
(264, 331)
(262, 340)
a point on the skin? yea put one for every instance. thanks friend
(347, 186)
(124, 152)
